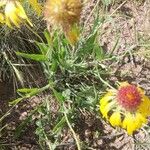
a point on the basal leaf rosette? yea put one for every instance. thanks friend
(128, 107)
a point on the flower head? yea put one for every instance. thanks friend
(14, 13)
(64, 14)
(129, 97)
(127, 107)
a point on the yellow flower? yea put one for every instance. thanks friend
(128, 107)
(15, 14)
(64, 14)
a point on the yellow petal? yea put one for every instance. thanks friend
(107, 103)
(129, 123)
(106, 108)
(124, 84)
(10, 14)
(144, 107)
(1, 18)
(139, 120)
(104, 101)
(14, 19)
(20, 10)
(21, 13)
(108, 96)
(115, 119)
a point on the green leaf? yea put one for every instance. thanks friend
(48, 37)
(36, 57)
(99, 53)
(39, 123)
(59, 125)
(54, 65)
(114, 47)
(16, 101)
(27, 90)
(58, 96)
(18, 74)
(88, 45)
(43, 47)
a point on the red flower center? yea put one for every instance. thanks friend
(129, 97)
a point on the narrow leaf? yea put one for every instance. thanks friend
(36, 57)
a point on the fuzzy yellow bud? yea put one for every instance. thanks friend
(64, 14)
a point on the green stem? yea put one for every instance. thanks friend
(35, 33)
(71, 129)
(106, 83)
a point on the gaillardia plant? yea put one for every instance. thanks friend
(64, 14)
(128, 107)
